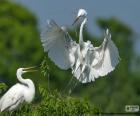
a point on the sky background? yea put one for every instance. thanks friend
(64, 12)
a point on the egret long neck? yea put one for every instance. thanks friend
(81, 31)
(19, 77)
(27, 82)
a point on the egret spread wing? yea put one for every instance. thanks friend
(106, 57)
(99, 61)
(12, 98)
(59, 45)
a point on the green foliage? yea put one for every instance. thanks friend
(44, 67)
(20, 45)
(52, 103)
(3, 87)
(56, 104)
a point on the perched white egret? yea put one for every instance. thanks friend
(87, 62)
(20, 92)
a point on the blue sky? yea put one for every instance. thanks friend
(64, 11)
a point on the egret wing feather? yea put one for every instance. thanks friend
(13, 97)
(59, 45)
(98, 61)
(106, 57)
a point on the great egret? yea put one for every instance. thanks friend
(20, 92)
(87, 62)
(92, 61)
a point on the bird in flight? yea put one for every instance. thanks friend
(86, 61)
(19, 93)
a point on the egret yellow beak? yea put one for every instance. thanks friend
(30, 69)
(77, 18)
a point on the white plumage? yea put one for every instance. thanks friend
(60, 47)
(87, 62)
(18, 93)
(99, 60)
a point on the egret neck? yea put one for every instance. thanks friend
(81, 31)
(26, 82)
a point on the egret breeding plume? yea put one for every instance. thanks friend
(19, 93)
(87, 62)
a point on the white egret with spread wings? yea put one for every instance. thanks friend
(87, 62)
(20, 92)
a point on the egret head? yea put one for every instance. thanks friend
(64, 28)
(82, 13)
(21, 71)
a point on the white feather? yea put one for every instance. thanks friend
(13, 97)
(17, 94)
(98, 61)
(107, 59)
(59, 45)
(87, 62)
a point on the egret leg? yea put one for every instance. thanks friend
(68, 85)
